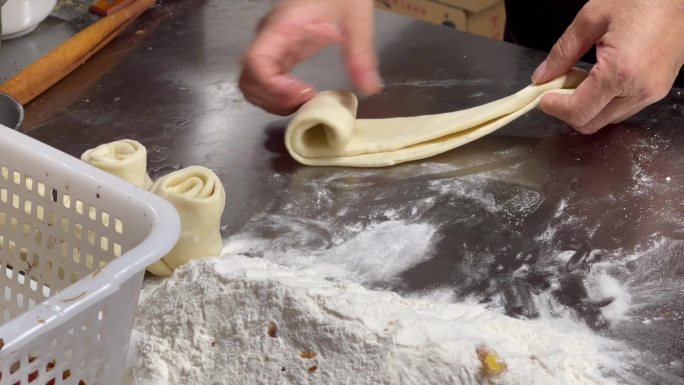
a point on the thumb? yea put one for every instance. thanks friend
(359, 50)
(581, 35)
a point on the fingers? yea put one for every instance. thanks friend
(615, 89)
(359, 49)
(282, 96)
(636, 66)
(628, 113)
(581, 35)
(584, 105)
(265, 80)
(295, 31)
(617, 110)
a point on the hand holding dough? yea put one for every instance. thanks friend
(325, 131)
(198, 195)
(126, 159)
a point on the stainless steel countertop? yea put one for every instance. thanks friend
(503, 205)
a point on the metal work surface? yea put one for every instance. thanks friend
(530, 215)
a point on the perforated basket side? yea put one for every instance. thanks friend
(70, 237)
(88, 349)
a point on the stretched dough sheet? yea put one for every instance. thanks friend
(325, 131)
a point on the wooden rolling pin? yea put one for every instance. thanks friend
(61, 61)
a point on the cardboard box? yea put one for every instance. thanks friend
(481, 17)
(473, 6)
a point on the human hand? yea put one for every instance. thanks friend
(639, 52)
(295, 30)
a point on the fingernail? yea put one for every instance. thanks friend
(284, 81)
(306, 91)
(291, 86)
(540, 72)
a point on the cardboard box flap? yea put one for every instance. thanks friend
(469, 5)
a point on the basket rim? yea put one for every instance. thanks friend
(90, 289)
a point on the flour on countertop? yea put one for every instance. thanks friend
(601, 285)
(445, 83)
(237, 320)
(209, 323)
(361, 253)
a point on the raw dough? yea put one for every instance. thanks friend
(126, 159)
(325, 131)
(198, 195)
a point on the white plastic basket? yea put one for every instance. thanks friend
(75, 242)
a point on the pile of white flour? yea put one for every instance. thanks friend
(241, 320)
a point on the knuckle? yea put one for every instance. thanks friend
(591, 14)
(586, 129)
(616, 76)
(577, 124)
(576, 117)
(646, 93)
(620, 119)
(588, 13)
(662, 93)
(249, 59)
(562, 48)
(253, 99)
(250, 92)
(653, 93)
(626, 76)
(571, 114)
(271, 17)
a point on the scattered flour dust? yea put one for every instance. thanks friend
(243, 320)
(600, 285)
(367, 254)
